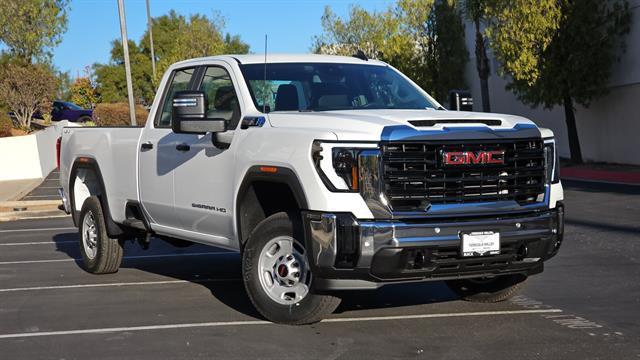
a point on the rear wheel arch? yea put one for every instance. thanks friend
(263, 194)
(87, 170)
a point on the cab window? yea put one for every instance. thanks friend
(221, 96)
(180, 81)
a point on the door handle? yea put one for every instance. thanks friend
(146, 146)
(183, 147)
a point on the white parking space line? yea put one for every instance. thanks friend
(122, 284)
(39, 243)
(124, 257)
(41, 229)
(259, 322)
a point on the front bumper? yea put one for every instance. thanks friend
(347, 253)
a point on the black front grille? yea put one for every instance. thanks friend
(415, 174)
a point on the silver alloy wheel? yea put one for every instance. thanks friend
(89, 235)
(284, 270)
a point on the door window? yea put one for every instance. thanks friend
(221, 96)
(179, 81)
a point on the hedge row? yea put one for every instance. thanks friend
(117, 114)
(5, 125)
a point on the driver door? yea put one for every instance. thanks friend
(159, 158)
(204, 180)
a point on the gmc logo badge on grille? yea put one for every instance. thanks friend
(473, 157)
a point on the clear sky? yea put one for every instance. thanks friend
(290, 24)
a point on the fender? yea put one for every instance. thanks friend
(113, 229)
(268, 173)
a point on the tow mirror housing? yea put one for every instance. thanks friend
(460, 100)
(189, 114)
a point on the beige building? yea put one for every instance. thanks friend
(609, 129)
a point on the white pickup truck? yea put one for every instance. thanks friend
(326, 173)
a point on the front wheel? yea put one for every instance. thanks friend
(488, 290)
(277, 276)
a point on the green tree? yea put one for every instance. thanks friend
(378, 34)
(235, 45)
(576, 66)
(83, 93)
(27, 88)
(445, 51)
(422, 38)
(111, 84)
(201, 36)
(175, 38)
(516, 30)
(475, 12)
(64, 85)
(519, 31)
(165, 30)
(30, 28)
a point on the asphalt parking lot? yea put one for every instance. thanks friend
(189, 303)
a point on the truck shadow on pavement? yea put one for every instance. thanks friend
(220, 274)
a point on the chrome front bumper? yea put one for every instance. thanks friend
(380, 251)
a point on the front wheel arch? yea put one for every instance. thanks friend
(262, 194)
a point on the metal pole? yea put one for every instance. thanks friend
(153, 56)
(127, 65)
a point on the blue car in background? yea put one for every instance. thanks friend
(64, 110)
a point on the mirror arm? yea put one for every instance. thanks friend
(217, 142)
(218, 139)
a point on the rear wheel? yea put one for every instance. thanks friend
(488, 290)
(84, 119)
(277, 275)
(100, 253)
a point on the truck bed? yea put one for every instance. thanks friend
(115, 150)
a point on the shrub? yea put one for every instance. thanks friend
(5, 125)
(26, 88)
(117, 114)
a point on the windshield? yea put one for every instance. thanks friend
(329, 86)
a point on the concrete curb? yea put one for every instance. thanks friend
(30, 202)
(35, 214)
(32, 209)
(605, 182)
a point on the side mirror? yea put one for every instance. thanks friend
(189, 114)
(460, 100)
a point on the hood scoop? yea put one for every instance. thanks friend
(430, 123)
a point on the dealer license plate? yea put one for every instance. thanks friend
(481, 243)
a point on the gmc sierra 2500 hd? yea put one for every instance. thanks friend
(326, 173)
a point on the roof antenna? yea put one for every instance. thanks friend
(264, 92)
(360, 55)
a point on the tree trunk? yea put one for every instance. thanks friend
(21, 116)
(482, 64)
(572, 131)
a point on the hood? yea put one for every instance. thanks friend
(371, 125)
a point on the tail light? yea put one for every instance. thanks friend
(58, 143)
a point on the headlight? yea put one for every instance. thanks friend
(551, 162)
(337, 164)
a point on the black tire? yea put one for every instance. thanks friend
(312, 308)
(84, 119)
(108, 251)
(488, 290)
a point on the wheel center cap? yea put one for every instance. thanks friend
(282, 270)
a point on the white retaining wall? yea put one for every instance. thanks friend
(30, 156)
